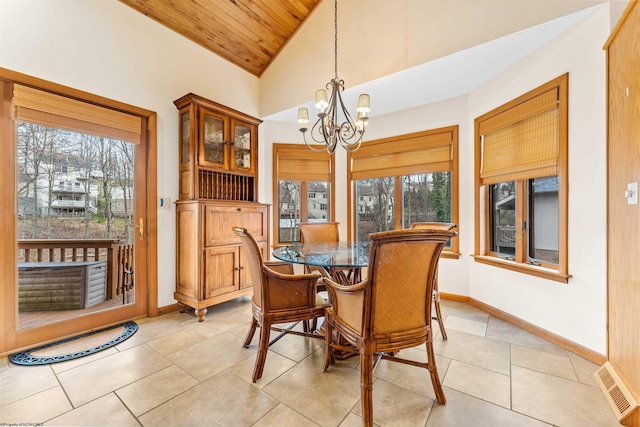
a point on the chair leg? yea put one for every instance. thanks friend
(366, 387)
(438, 317)
(328, 350)
(252, 331)
(309, 326)
(433, 371)
(263, 348)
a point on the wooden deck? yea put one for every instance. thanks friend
(119, 260)
(35, 318)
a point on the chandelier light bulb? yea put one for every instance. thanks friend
(303, 116)
(362, 121)
(364, 103)
(321, 99)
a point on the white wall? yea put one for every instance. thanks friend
(577, 310)
(377, 38)
(105, 47)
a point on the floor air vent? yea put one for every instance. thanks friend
(617, 394)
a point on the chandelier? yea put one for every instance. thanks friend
(328, 130)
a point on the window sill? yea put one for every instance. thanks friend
(545, 273)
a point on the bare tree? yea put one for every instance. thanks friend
(105, 165)
(289, 193)
(124, 179)
(86, 160)
(383, 201)
(36, 148)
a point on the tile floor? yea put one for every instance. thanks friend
(177, 372)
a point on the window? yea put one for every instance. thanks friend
(521, 177)
(405, 179)
(377, 213)
(301, 179)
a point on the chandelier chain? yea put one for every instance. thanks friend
(335, 39)
(330, 130)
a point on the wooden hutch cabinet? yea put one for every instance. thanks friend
(217, 190)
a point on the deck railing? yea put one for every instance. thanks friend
(118, 257)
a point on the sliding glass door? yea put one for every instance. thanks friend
(76, 195)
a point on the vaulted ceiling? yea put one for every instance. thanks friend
(247, 33)
(427, 57)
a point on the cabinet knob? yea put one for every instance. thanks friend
(239, 209)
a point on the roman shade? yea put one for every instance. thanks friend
(521, 142)
(49, 109)
(298, 163)
(410, 154)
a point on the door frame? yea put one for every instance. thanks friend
(146, 297)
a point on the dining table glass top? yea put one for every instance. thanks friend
(328, 255)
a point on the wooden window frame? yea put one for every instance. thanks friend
(482, 253)
(302, 154)
(393, 157)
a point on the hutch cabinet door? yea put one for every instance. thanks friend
(213, 140)
(219, 220)
(221, 266)
(243, 136)
(186, 156)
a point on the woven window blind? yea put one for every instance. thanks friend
(407, 155)
(521, 142)
(48, 109)
(298, 163)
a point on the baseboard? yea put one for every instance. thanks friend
(454, 297)
(568, 345)
(168, 309)
(584, 352)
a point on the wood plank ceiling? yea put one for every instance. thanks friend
(248, 33)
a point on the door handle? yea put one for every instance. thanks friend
(141, 227)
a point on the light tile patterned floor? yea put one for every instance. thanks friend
(177, 372)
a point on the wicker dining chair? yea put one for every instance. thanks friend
(436, 292)
(321, 232)
(318, 232)
(390, 310)
(279, 296)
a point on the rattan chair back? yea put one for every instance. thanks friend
(254, 260)
(319, 232)
(402, 266)
(435, 225)
(436, 293)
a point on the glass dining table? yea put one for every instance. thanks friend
(340, 261)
